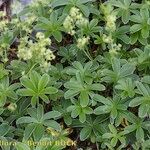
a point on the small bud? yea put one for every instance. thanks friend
(12, 107)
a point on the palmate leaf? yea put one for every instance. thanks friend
(83, 90)
(43, 82)
(124, 9)
(121, 33)
(37, 121)
(142, 24)
(79, 86)
(36, 86)
(78, 110)
(118, 71)
(7, 90)
(143, 101)
(26, 82)
(86, 71)
(115, 107)
(127, 87)
(114, 136)
(51, 26)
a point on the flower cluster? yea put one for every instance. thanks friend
(3, 22)
(110, 17)
(74, 18)
(37, 51)
(2, 14)
(25, 24)
(107, 39)
(81, 42)
(114, 49)
(37, 3)
(16, 7)
(111, 22)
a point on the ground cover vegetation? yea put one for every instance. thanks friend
(76, 74)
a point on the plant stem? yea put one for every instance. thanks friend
(97, 146)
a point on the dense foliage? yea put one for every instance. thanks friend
(76, 74)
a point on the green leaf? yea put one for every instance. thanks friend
(102, 110)
(145, 32)
(112, 128)
(97, 87)
(129, 129)
(50, 90)
(82, 117)
(12, 94)
(84, 98)
(51, 114)
(136, 28)
(125, 16)
(57, 3)
(29, 131)
(71, 93)
(116, 65)
(34, 100)
(38, 132)
(25, 92)
(27, 83)
(146, 79)
(85, 1)
(143, 110)
(4, 128)
(43, 82)
(52, 124)
(2, 100)
(140, 134)
(84, 9)
(22, 146)
(101, 99)
(113, 113)
(39, 112)
(126, 70)
(26, 120)
(107, 135)
(88, 110)
(34, 77)
(75, 112)
(85, 133)
(44, 98)
(57, 35)
(135, 102)
(142, 88)
(114, 141)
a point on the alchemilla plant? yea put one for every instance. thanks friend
(75, 75)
